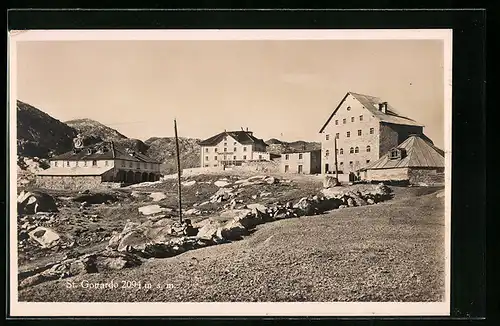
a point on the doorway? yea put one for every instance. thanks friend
(299, 169)
(327, 168)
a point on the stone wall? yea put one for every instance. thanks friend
(266, 166)
(430, 176)
(69, 182)
(397, 174)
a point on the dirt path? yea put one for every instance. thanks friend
(391, 251)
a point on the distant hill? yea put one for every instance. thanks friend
(277, 146)
(163, 149)
(39, 134)
(94, 131)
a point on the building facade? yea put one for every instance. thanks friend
(364, 128)
(90, 166)
(306, 162)
(232, 148)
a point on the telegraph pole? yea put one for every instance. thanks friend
(336, 164)
(178, 171)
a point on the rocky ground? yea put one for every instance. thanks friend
(371, 250)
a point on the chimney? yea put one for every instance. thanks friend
(247, 128)
(382, 107)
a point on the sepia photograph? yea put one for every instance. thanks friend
(225, 167)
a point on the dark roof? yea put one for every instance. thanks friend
(111, 151)
(242, 137)
(419, 153)
(371, 104)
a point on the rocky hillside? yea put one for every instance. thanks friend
(40, 135)
(94, 131)
(277, 146)
(163, 149)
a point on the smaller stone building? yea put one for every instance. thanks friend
(87, 167)
(416, 161)
(304, 162)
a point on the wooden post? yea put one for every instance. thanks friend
(178, 171)
(336, 164)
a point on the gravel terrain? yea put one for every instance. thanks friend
(392, 251)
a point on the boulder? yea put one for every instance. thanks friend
(265, 194)
(232, 230)
(96, 198)
(259, 207)
(221, 183)
(152, 209)
(46, 237)
(157, 196)
(208, 230)
(111, 260)
(133, 239)
(270, 180)
(370, 201)
(192, 211)
(351, 202)
(188, 183)
(34, 202)
(330, 181)
(245, 217)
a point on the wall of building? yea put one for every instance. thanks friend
(125, 164)
(212, 155)
(392, 135)
(290, 163)
(429, 176)
(350, 110)
(397, 174)
(260, 156)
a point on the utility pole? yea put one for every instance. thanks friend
(336, 164)
(178, 171)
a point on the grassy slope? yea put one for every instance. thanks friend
(391, 251)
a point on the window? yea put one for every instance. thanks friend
(336, 122)
(341, 164)
(348, 108)
(348, 134)
(130, 164)
(234, 143)
(106, 163)
(84, 163)
(344, 121)
(206, 158)
(287, 168)
(215, 149)
(350, 163)
(300, 156)
(352, 119)
(234, 149)
(372, 130)
(123, 163)
(206, 150)
(356, 150)
(327, 137)
(299, 168)
(234, 157)
(341, 151)
(260, 157)
(225, 157)
(367, 161)
(225, 144)
(368, 148)
(244, 149)
(327, 153)
(67, 163)
(351, 150)
(360, 118)
(215, 158)
(286, 156)
(336, 151)
(94, 163)
(55, 163)
(337, 135)
(359, 132)
(244, 157)
(206, 165)
(225, 138)
(225, 149)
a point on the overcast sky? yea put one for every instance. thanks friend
(278, 89)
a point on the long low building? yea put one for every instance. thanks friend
(90, 166)
(416, 161)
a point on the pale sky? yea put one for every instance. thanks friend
(278, 89)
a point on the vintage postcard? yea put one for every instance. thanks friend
(230, 172)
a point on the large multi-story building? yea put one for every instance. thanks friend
(232, 148)
(89, 166)
(365, 128)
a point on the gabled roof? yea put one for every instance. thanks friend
(112, 152)
(371, 103)
(242, 137)
(419, 153)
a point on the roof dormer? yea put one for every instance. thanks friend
(397, 153)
